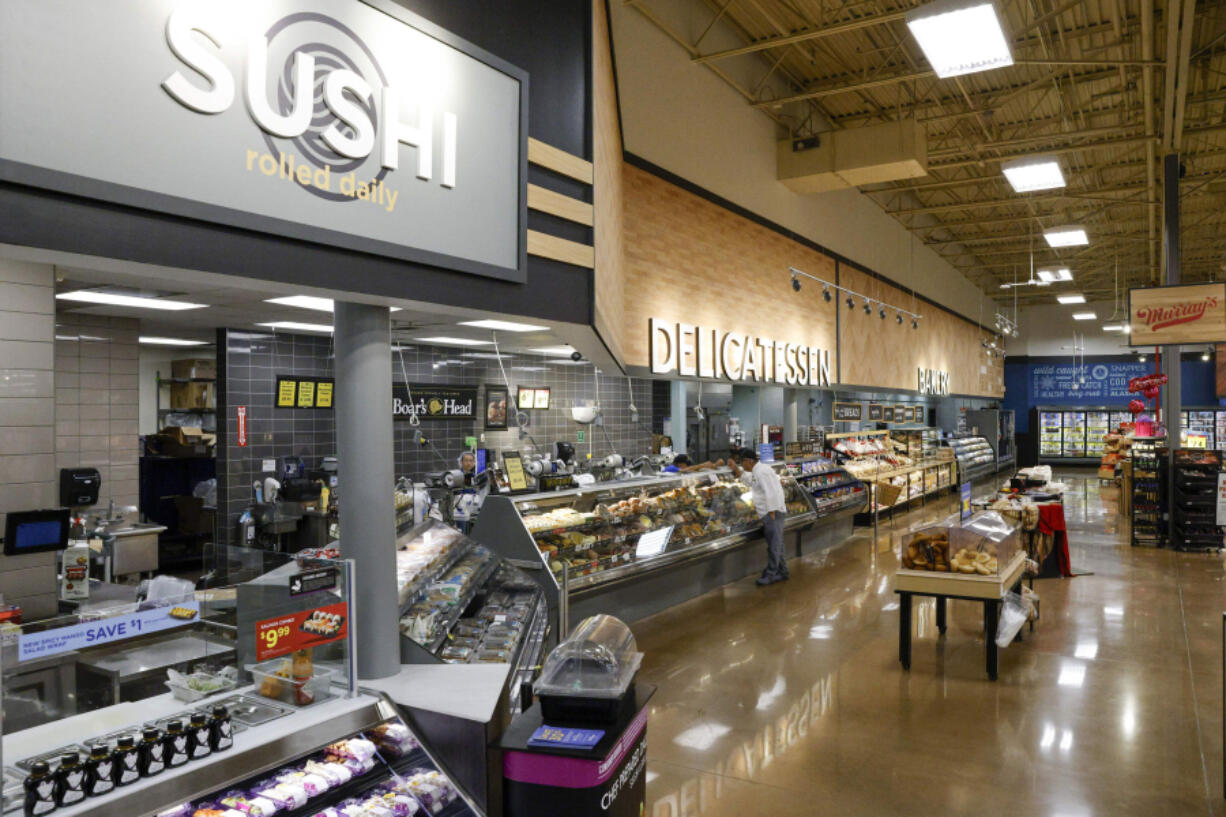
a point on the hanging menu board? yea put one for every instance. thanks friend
(887, 414)
(875, 412)
(848, 412)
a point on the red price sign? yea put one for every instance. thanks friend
(283, 635)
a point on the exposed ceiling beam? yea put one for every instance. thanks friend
(800, 37)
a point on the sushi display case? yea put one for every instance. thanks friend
(460, 603)
(592, 540)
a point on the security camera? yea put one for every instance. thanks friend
(576, 356)
(795, 284)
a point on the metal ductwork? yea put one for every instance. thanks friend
(854, 157)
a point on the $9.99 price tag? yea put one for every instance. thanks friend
(283, 635)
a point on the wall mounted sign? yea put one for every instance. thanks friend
(513, 465)
(355, 124)
(887, 414)
(295, 392)
(105, 631)
(1177, 314)
(932, 381)
(532, 397)
(282, 635)
(495, 408)
(875, 412)
(902, 414)
(434, 402)
(1105, 382)
(312, 581)
(700, 351)
(848, 412)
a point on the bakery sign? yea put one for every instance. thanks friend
(353, 123)
(700, 351)
(932, 381)
(1177, 314)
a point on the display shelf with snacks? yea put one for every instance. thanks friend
(350, 753)
(1148, 492)
(974, 457)
(1194, 515)
(830, 487)
(588, 541)
(883, 461)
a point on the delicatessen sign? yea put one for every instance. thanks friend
(1177, 314)
(701, 351)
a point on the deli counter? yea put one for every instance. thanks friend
(637, 547)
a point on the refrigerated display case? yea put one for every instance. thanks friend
(1120, 417)
(974, 456)
(1148, 491)
(1051, 433)
(617, 547)
(996, 426)
(830, 487)
(1074, 434)
(1098, 423)
(1200, 421)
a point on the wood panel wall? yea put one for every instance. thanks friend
(607, 191)
(688, 259)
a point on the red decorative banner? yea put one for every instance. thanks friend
(1148, 381)
(283, 635)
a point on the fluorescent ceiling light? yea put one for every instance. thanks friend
(155, 341)
(446, 341)
(1113, 327)
(505, 326)
(1074, 298)
(559, 351)
(296, 325)
(1053, 274)
(79, 337)
(487, 355)
(1066, 236)
(528, 369)
(1034, 173)
(312, 302)
(87, 296)
(1085, 316)
(960, 36)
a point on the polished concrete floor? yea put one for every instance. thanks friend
(789, 700)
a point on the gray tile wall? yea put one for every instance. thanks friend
(27, 422)
(97, 397)
(250, 363)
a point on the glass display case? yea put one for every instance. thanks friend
(974, 456)
(830, 487)
(1074, 434)
(1051, 425)
(592, 538)
(1148, 494)
(1098, 424)
(984, 545)
(460, 603)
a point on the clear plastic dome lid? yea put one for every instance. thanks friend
(598, 660)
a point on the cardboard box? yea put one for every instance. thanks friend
(192, 396)
(194, 518)
(181, 441)
(193, 369)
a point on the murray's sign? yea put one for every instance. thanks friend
(700, 351)
(347, 122)
(1177, 314)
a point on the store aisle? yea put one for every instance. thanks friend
(790, 699)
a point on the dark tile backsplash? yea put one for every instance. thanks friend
(252, 361)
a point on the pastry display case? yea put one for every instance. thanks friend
(974, 456)
(897, 466)
(830, 487)
(984, 545)
(591, 539)
(460, 603)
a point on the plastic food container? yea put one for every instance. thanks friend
(589, 676)
(269, 684)
(199, 685)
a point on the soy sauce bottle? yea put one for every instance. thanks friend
(124, 761)
(39, 790)
(150, 758)
(221, 730)
(175, 743)
(69, 780)
(99, 771)
(198, 736)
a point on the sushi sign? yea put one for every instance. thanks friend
(282, 635)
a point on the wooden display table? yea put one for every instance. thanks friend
(990, 590)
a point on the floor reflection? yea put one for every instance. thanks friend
(771, 698)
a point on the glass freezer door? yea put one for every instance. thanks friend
(1097, 425)
(1050, 423)
(1074, 433)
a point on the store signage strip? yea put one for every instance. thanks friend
(404, 141)
(106, 631)
(282, 635)
(932, 381)
(700, 351)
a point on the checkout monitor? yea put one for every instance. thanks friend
(35, 531)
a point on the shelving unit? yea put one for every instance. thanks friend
(974, 456)
(1147, 501)
(1194, 517)
(831, 487)
(162, 411)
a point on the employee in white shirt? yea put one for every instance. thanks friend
(768, 501)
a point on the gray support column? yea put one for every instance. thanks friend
(676, 416)
(1172, 404)
(367, 505)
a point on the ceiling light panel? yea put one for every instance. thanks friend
(1113, 327)
(1074, 298)
(1066, 237)
(558, 351)
(1085, 316)
(156, 341)
(505, 326)
(1053, 274)
(312, 302)
(297, 326)
(1037, 173)
(86, 296)
(443, 340)
(960, 36)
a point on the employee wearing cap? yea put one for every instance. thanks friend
(768, 501)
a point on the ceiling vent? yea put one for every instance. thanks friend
(854, 157)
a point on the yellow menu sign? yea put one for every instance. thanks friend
(323, 394)
(287, 390)
(306, 394)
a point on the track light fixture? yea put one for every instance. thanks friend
(831, 289)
